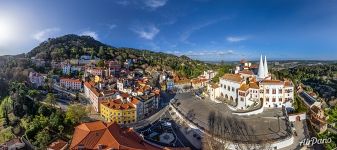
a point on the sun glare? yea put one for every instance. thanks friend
(6, 31)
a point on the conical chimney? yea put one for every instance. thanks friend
(261, 73)
(265, 67)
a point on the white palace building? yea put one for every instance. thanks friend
(252, 85)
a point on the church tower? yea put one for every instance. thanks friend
(261, 73)
(266, 73)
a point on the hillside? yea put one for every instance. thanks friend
(73, 46)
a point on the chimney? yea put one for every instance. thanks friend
(261, 73)
(265, 67)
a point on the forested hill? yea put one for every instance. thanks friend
(73, 46)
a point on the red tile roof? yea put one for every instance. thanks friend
(70, 80)
(117, 104)
(233, 77)
(246, 72)
(109, 136)
(57, 145)
(272, 82)
(253, 85)
(244, 87)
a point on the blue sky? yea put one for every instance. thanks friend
(201, 29)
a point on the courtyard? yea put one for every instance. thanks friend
(269, 125)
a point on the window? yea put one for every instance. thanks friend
(267, 91)
(242, 99)
(267, 99)
(232, 89)
(280, 91)
(280, 99)
(274, 91)
(274, 99)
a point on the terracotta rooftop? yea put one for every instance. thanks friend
(288, 84)
(197, 80)
(108, 136)
(214, 86)
(232, 77)
(253, 85)
(57, 145)
(184, 81)
(246, 72)
(118, 104)
(272, 82)
(244, 87)
(70, 80)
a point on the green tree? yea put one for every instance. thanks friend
(6, 134)
(33, 93)
(42, 139)
(6, 108)
(50, 99)
(101, 52)
(76, 113)
(100, 63)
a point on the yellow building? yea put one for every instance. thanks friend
(98, 79)
(119, 110)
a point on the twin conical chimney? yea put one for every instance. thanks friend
(263, 68)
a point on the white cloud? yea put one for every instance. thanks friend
(236, 38)
(147, 32)
(90, 33)
(155, 3)
(45, 34)
(186, 35)
(112, 26)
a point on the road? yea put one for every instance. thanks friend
(149, 120)
(181, 136)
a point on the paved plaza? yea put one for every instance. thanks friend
(269, 125)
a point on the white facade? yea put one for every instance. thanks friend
(248, 95)
(209, 74)
(213, 91)
(276, 94)
(229, 86)
(73, 84)
(248, 89)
